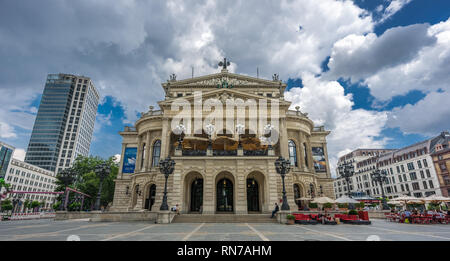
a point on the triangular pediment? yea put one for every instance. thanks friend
(224, 94)
(231, 79)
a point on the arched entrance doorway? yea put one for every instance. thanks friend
(252, 195)
(150, 200)
(224, 196)
(297, 195)
(196, 195)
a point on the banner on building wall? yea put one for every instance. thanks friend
(129, 160)
(320, 164)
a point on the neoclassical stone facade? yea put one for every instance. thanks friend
(221, 172)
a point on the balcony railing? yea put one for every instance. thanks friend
(194, 152)
(152, 113)
(319, 128)
(219, 153)
(225, 152)
(129, 129)
(255, 152)
(298, 113)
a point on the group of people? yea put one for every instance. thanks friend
(324, 217)
(410, 214)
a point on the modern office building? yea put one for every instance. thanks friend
(24, 177)
(6, 153)
(410, 171)
(64, 123)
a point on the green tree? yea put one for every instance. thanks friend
(361, 205)
(34, 204)
(88, 182)
(6, 205)
(26, 204)
(4, 184)
(56, 205)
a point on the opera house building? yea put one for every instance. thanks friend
(224, 132)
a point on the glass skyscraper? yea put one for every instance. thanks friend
(64, 123)
(6, 152)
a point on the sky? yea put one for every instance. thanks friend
(375, 73)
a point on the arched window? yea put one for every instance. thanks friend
(292, 153)
(156, 153)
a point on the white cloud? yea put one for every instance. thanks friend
(361, 56)
(428, 71)
(6, 131)
(130, 47)
(19, 154)
(393, 7)
(429, 116)
(403, 59)
(117, 158)
(327, 105)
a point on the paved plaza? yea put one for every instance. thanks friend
(50, 230)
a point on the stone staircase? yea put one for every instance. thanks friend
(224, 218)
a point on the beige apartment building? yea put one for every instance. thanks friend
(229, 170)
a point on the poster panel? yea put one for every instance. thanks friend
(320, 164)
(129, 161)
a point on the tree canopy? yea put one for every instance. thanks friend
(88, 182)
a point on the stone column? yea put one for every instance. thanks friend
(240, 190)
(147, 152)
(284, 150)
(310, 157)
(273, 180)
(139, 156)
(174, 194)
(325, 152)
(122, 155)
(165, 138)
(302, 152)
(209, 188)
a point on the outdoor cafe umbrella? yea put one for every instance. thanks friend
(346, 199)
(406, 199)
(416, 201)
(435, 198)
(394, 202)
(323, 200)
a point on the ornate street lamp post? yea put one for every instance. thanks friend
(166, 167)
(67, 176)
(283, 167)
(102, 171)
(346, 170)
(17, 198)
(380, 176)
(311, 190)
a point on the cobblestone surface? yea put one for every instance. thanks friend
(50, 230)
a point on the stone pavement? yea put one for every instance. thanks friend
(50, 230)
